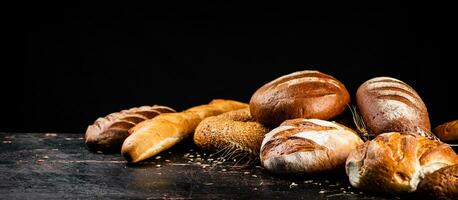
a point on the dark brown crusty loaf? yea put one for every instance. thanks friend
(442, 184)
(390, 105)
(447, 132)
(303, 94)
(307, 146)
(396, 162)
(108, 133)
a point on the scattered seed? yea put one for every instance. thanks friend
(7, 142)
(191, 159)
(198, 163)
(342, 188)
(198, 155)
(45, 157)
(254, 176)
(246, 173)
(198, 159)
(158, 165)
(344, 192)
(326, 181)
(191, 156)
(158, 157)
(167, 160)
(321, 192)
(80, 138)
(361, 193)
(223, 170)
(208, 183)
(348, 187)
(257, 166)
(352, 193)
(40, 161)
(68, 139)
(293, 184)
(308, 181)
(99, 152)
(210, 159)
(50, 134)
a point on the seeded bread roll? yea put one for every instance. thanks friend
(235, 130)
(390, 105)
(303, 94)
(307, 146)
(108, 133)
(396, 162)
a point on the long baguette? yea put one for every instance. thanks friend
(150, 137)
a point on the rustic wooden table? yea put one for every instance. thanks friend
(56, 166)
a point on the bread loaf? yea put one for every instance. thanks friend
(396, 162)
(447, 132)
(390, 105)
(303, 94)
(108, 133)
(307, 146)
(442, 184)
(150, 137)
(235, 131)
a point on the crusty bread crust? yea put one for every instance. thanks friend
(303, 94)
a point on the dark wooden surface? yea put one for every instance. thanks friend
(56, 166)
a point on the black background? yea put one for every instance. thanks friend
(74, 63)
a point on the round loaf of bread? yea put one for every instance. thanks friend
(396, 163)
(442, 184)
(304, 94)
(307, 146)
(390, 105)
(447, 132)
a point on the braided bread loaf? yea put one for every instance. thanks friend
(108, 133)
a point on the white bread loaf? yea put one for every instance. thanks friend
(307, 146)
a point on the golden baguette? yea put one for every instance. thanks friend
(150, 137)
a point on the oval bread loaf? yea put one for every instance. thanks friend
(108, 133)
(307, 146)
(303, 94)
(390, 105)
(447, 132)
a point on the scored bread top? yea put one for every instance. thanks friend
(303, 94)
(307, 145)
(387, 104)
(107, 133)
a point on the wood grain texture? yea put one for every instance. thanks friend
(59, 166)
